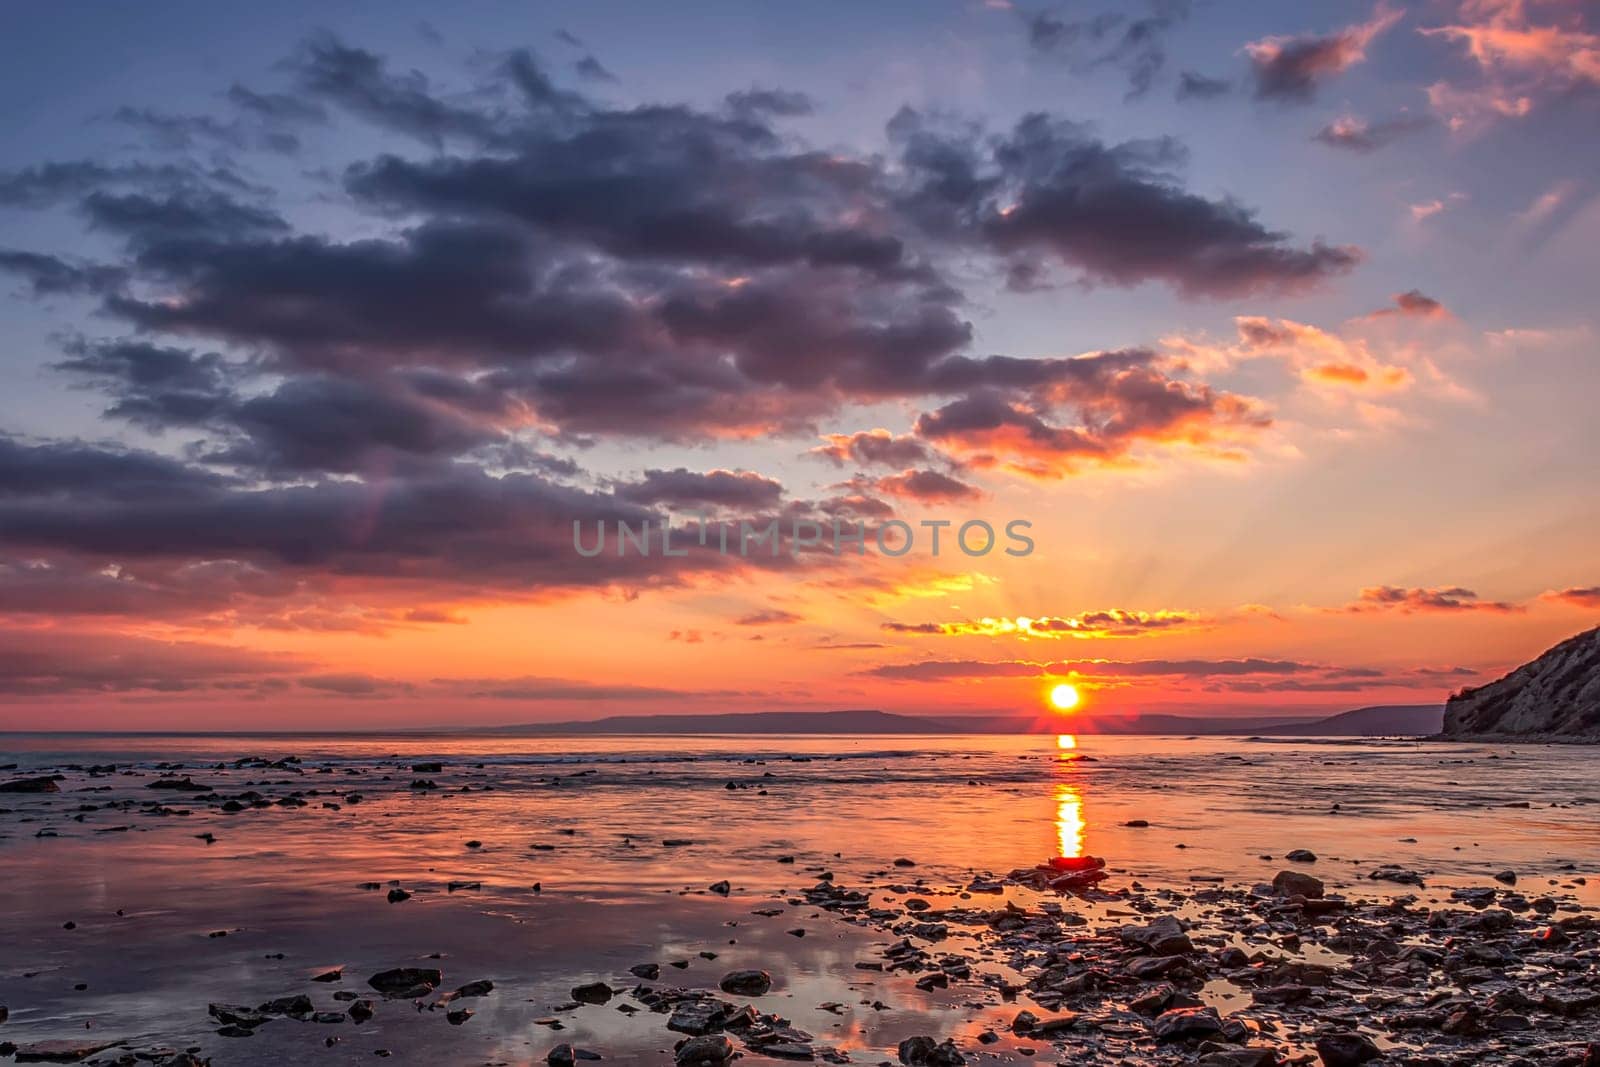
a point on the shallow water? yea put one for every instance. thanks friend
(575, 882)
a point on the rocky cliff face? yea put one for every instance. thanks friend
(1556, 694)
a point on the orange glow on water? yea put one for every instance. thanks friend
(1069, 821)
(1066, 742)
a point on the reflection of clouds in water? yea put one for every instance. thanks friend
(1069, 820)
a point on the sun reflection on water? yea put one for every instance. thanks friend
(1069, 820)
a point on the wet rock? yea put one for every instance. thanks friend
(1301, 855)
(1240, 1057)
(1392, 873)
(648, 971)
(567, 1055)
(750, 983)
(31, 785)
(459, 1016)
(1183, 1023)
(707, 1050)
(360, 1011)
(396, 895)
(427, 768)
(236, 1015)
(1346, 1049)
(405, 981)
(721, 887)
(1164, 937)
(1137, 824)
(592, 993)
(69, 1051)
(1296, 884)
(330, 976)
(923, 1051)
(1508, 877)
(296, 1006)
(481, 988)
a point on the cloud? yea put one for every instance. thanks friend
(682, 488)
(1092, 624)
(768, 617)
(1292, 68)
(57, 661)
(1113, 213)
(1196, 86)
(1586, 597)
(873, 447)
(925, 486)
(1359, 135)
(1326, 362)
(1525, 55)
(939, 670)
(1134, 45)
(1445, 600)
(1413, 303)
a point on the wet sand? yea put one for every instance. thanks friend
(543, 867)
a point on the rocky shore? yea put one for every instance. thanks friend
(1069, 961)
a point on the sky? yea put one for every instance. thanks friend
(325, 328)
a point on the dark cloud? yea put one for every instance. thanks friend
(1576, 596)
(1447, 600)
(1358, 135)
(49, 275)
(1134, 45)
(1114, 213)
(1290, 69)
(682, 488)
(874, 448)
(589, 67)
(1196, 86)
(783, 103)
(55, 662)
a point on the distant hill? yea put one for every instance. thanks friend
(1556, 695)
(1383, 720)
(1400, 719)
(865, 721)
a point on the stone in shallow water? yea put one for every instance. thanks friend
(592, 993)
(1296, 884)
(707, 1050)
(1184, 1023)
(749, 983)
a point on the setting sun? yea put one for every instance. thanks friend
(1064, 697)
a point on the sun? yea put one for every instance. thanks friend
(1064, 697)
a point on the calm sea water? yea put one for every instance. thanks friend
(574, 878)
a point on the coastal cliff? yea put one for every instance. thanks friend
(1555, 696)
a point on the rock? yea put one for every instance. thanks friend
(592, 993)
(396, 895)
(405, 980)
(1137, 824)
(751, 983)
(481, 988)
(1258, 1056)
(459, 1016)
(1508, 877)
(1389, 872)
(1344, 1048)
(296, 1006)
(566, 1056)
(923, 1051)
(426, 768)
(30, 785)
(1164, 937)
(69, 1051)
(707, 1050)
(1182, 1023)
(648, 971)
(1295, 884)
(720, 887)
(1301, 855)
(1557, 694)
(330, 976)
(360, 1011)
